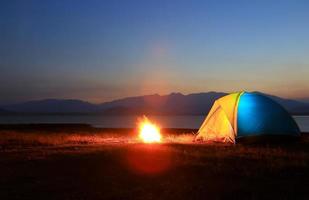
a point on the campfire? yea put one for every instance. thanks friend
(148, 131)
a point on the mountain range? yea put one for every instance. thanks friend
(172, 104)
(305, 100)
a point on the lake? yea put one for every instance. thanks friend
(124, 121)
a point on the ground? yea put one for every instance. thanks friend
(80, 162)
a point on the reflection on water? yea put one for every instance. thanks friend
(124, 121)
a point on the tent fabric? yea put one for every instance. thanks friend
(219, 124)
(244, 114)
(229, 104)
(258, 114)
(218, 127)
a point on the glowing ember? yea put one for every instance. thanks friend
(148, 131)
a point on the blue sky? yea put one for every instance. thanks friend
(103, 50)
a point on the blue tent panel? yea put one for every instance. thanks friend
(259, 115)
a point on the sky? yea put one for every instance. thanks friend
(107, 49)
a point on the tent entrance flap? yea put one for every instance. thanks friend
(217, 127)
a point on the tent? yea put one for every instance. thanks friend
(244, 114)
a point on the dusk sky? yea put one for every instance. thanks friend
(104, 50)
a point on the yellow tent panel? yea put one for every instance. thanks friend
(220, 123)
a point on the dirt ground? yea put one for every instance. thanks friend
(86, 163)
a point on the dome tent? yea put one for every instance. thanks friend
(244, 114)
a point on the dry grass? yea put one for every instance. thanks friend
(41, 138)
(110, 164)
(65, 138)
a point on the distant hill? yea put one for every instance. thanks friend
(304, 100)
(172, 104)
(53, 106)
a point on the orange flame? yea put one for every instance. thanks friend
(148, 131)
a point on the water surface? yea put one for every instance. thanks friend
(186, 121)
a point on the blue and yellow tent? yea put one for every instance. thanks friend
(246, 114)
